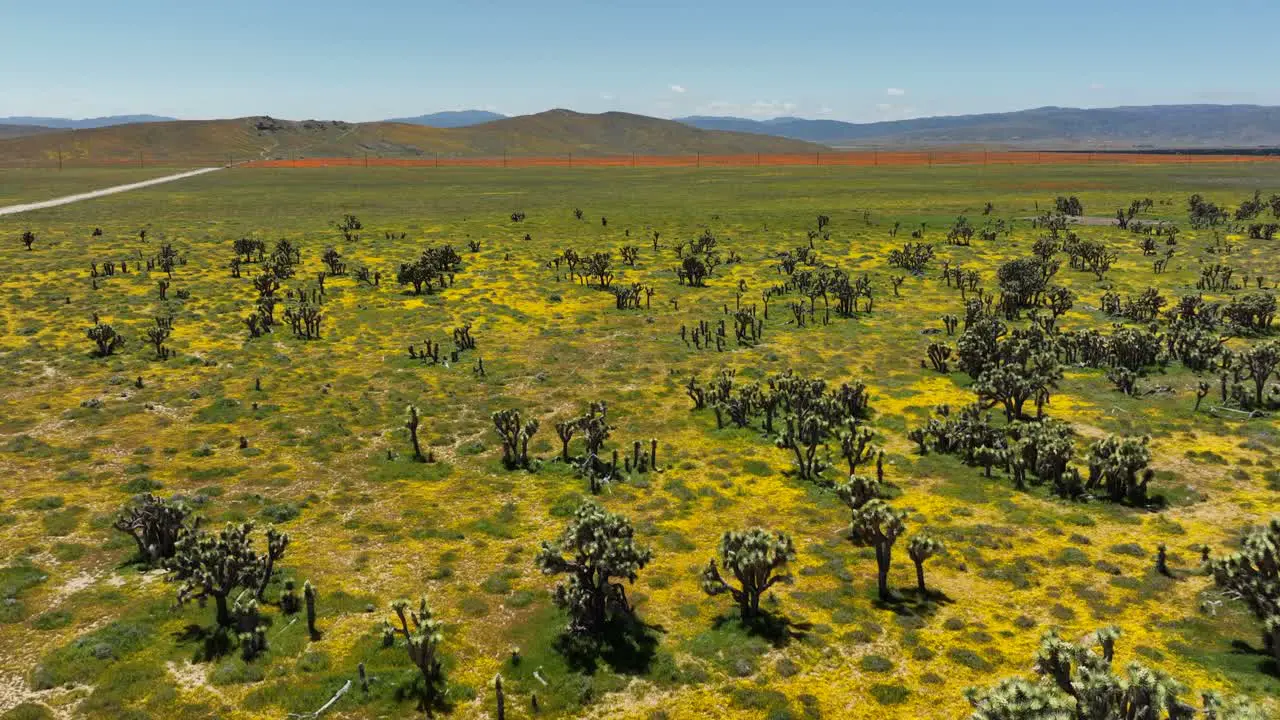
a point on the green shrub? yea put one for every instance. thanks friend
(890, 694)
(876, 663)
(970, 659)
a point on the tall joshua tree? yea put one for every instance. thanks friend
(155, 524)
(877, 525)
(515, 434)
(215, 566)
(412, 425)
(422, 635)
(919, 549)
(596, 547)
(757, 559)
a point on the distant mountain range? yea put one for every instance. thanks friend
(1153, 126)
(82, 124)
(450, 118)
(555, 132)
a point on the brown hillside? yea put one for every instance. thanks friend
(12, 131)
(554, 132)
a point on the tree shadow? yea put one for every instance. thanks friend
(625, 644)
(776, 628)
(1267, 663)
(211, 643)
(414, 688)
(913, 603)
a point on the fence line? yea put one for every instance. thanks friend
(832, 158)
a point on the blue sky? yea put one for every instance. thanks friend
(855, 61)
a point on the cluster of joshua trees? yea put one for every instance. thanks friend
(1011, 342)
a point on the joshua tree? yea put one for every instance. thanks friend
(694, 271)
(277, 543)
(858, 491)
(596, 547)
(1023, 370)
(855, 446)
(1078, 683)
(422, 636)
(215, 566)
(105, 337)
(156, 336)
(155, 524)
(1261, 361)
(757, 558)
(1253, 575)
(309, 595)
(919, 549)
(939, 354)
(249, 249)
(515, 436)
(1114, 464)
(350, 227)
(500, 696)
(1069, 206)
(877, 525)
(565, 431)
(28, 239)
(599, 266)
(333, 260)
(412, 425)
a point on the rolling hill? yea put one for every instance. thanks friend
(1154, 126)
(11, 131)
(451, 118)
(550, 133)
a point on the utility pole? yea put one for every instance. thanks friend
(699, 159)
(59, 157)
(570, 159)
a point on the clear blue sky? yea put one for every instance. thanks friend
(373, 59)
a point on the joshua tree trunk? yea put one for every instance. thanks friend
(417, 448)
(224, 615)
(882, 570)
(920, 577)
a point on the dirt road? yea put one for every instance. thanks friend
(66, 200)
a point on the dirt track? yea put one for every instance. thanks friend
(68, 199)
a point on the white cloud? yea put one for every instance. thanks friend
(896, 92)
(884, 107)
(608, 96)
(1096, 86)
(825, 111)
(679, 89)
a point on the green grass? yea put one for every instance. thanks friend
(20, 185)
